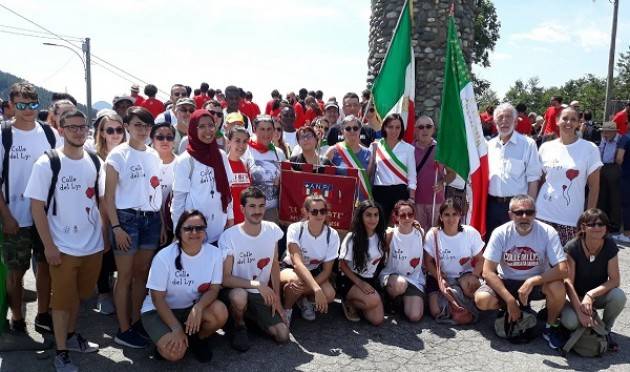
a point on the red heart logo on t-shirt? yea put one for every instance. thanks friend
(155, 182)
(463, 260)
(203, 288)
(263, 262)
(414, 262)
(314, 262)
(89, 192)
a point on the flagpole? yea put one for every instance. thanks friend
(434, 193)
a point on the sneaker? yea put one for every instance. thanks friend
(307, 309)
(288, 313)
(18, 326)
(554, 337)
(350, 312)
(105, 305)
(80, 344)
(130, 338)
(63, 363)
(43, 323)
(139, 329)
(240, 339)
(201, 349)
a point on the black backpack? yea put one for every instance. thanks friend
(55, 167)
(7, 142)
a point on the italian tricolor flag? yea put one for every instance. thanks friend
(461, 145)
(394, 88)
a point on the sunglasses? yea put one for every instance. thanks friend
(351, 129)
(404, 216)
(165, 138)
(428, 126)
(194, 228)
(190, 111)
(322, 211)
(111, 130)
(595, 224)
(21, 106)
(524, 212)
(218, 114)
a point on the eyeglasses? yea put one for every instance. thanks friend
(524, 212)
(595, 224)
(190, 111)
(75, 128)
(428, 126)
(351, 129)
(21, 106)
(165, 138)
(218, 114)
(194, 228)
(322, 211)
(404, 216)
(307, 136)
(111, 130)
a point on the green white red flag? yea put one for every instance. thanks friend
(461, 145)
(394, 88)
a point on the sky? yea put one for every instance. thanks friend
(284, 44)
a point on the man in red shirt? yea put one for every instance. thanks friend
(550, 127)
(312, 110)
(155, 106)
(621, 119)
(487, 122)
(275, 96)
(135, 90)
(250, 108)
(523, 124)
(297, 107)
(319, 96)
(203, 95)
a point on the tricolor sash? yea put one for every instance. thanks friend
(387, 156)
(350, 159)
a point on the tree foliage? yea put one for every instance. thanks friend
(487, 26)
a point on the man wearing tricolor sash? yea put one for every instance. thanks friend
(351, 154)
(393, 166)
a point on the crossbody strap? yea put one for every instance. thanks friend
(424, 158)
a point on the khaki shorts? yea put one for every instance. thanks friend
(256, 310)
(74, 280)
(155, 326)
(16, 249)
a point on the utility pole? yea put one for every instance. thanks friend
(611, 60)
(88, 78)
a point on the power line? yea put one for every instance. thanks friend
(78, 47)
(28, 35)
(36, 31)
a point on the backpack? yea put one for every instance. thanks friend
(302, 231)
(167, 117)
(55, 167)
(588, 342)
(7, 142)
(520, 332)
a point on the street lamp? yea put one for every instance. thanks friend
(86, 60)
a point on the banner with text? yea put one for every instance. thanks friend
(339, 191)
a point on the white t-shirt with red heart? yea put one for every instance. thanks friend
(253, 255)
(374, 256)
(405, 258)
(456, 252)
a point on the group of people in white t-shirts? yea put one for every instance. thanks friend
(195, 236)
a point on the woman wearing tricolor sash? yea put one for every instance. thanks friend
(393, 166)
(351, 154)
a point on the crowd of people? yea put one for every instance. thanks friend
(177, 204)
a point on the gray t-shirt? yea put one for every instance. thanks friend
(521, 257)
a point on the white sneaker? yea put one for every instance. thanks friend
(287, 315)
(105, 305)
(307, 309)
(80, 344)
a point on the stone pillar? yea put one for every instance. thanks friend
(429, 42)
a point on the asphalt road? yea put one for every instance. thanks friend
(332, 343)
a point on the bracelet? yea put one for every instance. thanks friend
(586, 294)
(115, 226)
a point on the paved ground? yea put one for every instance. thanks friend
(332, 343)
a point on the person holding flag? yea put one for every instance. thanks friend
(460, 144)
(393, 166)
(351, 154)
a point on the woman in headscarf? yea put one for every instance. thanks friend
(201, 177)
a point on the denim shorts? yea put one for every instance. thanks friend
(142, 227)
